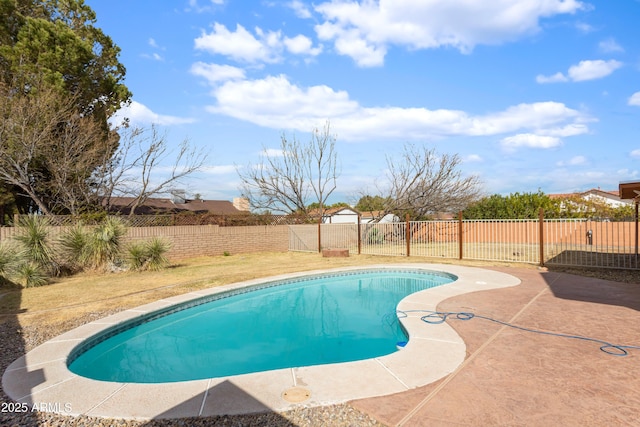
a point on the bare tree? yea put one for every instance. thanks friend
(47, 149)
(134, 169)
(72, 162)
(287, 181)
(423, 182)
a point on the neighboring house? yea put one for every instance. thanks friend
(341, 215)
(346, 215)
(371, 216)
(177, 204)
(610, 198)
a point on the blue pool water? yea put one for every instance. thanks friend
(315, 320)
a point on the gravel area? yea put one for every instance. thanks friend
(16, 341)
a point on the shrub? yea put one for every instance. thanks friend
(104, 242)
(375, 237)
(33, 237)
(156, 250)
(74, 245)
(148, 255)
(9, 262)
(136, 255)
(30, 274)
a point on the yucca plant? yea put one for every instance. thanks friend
(104, 242)
(149, 255)
(74, 245)
(136, 255)
(156, 249)
(9, 261)
(30, 274)
(34, 239)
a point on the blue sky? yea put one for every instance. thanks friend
(531, 94)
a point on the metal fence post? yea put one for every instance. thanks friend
(541, 238)
(460, 235)
(408, 234)
(359, 235)
(636, 222)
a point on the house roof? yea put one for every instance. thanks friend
(610, 194)
(166, 205)
(334, 211)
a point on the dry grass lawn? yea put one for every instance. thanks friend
(75, 297)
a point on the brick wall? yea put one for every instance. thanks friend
(190, 241)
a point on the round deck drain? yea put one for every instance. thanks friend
(296, 394)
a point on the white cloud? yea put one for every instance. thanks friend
(591, 70)
(584, 70)
(272, 152)
(263, 47)
(301, 45)
(635, 99)
(635, 153)
(219, 169)
(610, 46)
(472, 158)
(154, 56)
(530, 140)
(215, 73)
(584, 27)
(556, 78)
(578, 160)
(301, 10)
(571, 129)
(240, 45)
(364, 30)
(275, 102)
(195, 6)
(138, 113)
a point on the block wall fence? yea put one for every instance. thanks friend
(189, 241)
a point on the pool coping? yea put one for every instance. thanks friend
(40, 379)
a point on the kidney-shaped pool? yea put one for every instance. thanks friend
(320, 319)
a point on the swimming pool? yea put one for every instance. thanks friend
(42, 375)
(318, 319)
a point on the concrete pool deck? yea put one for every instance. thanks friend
(515, 378)
(41, 376)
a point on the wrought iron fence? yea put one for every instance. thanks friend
(592, 243)
(574, 242)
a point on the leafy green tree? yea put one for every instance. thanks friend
(55, 42)
(53, 47)
(7, 203)
(514, 206)
(369, 203)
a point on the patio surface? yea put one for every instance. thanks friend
(500, 377)
(516, 378)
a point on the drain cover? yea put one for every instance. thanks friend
(296, 394)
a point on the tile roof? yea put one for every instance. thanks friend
(166, 205)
